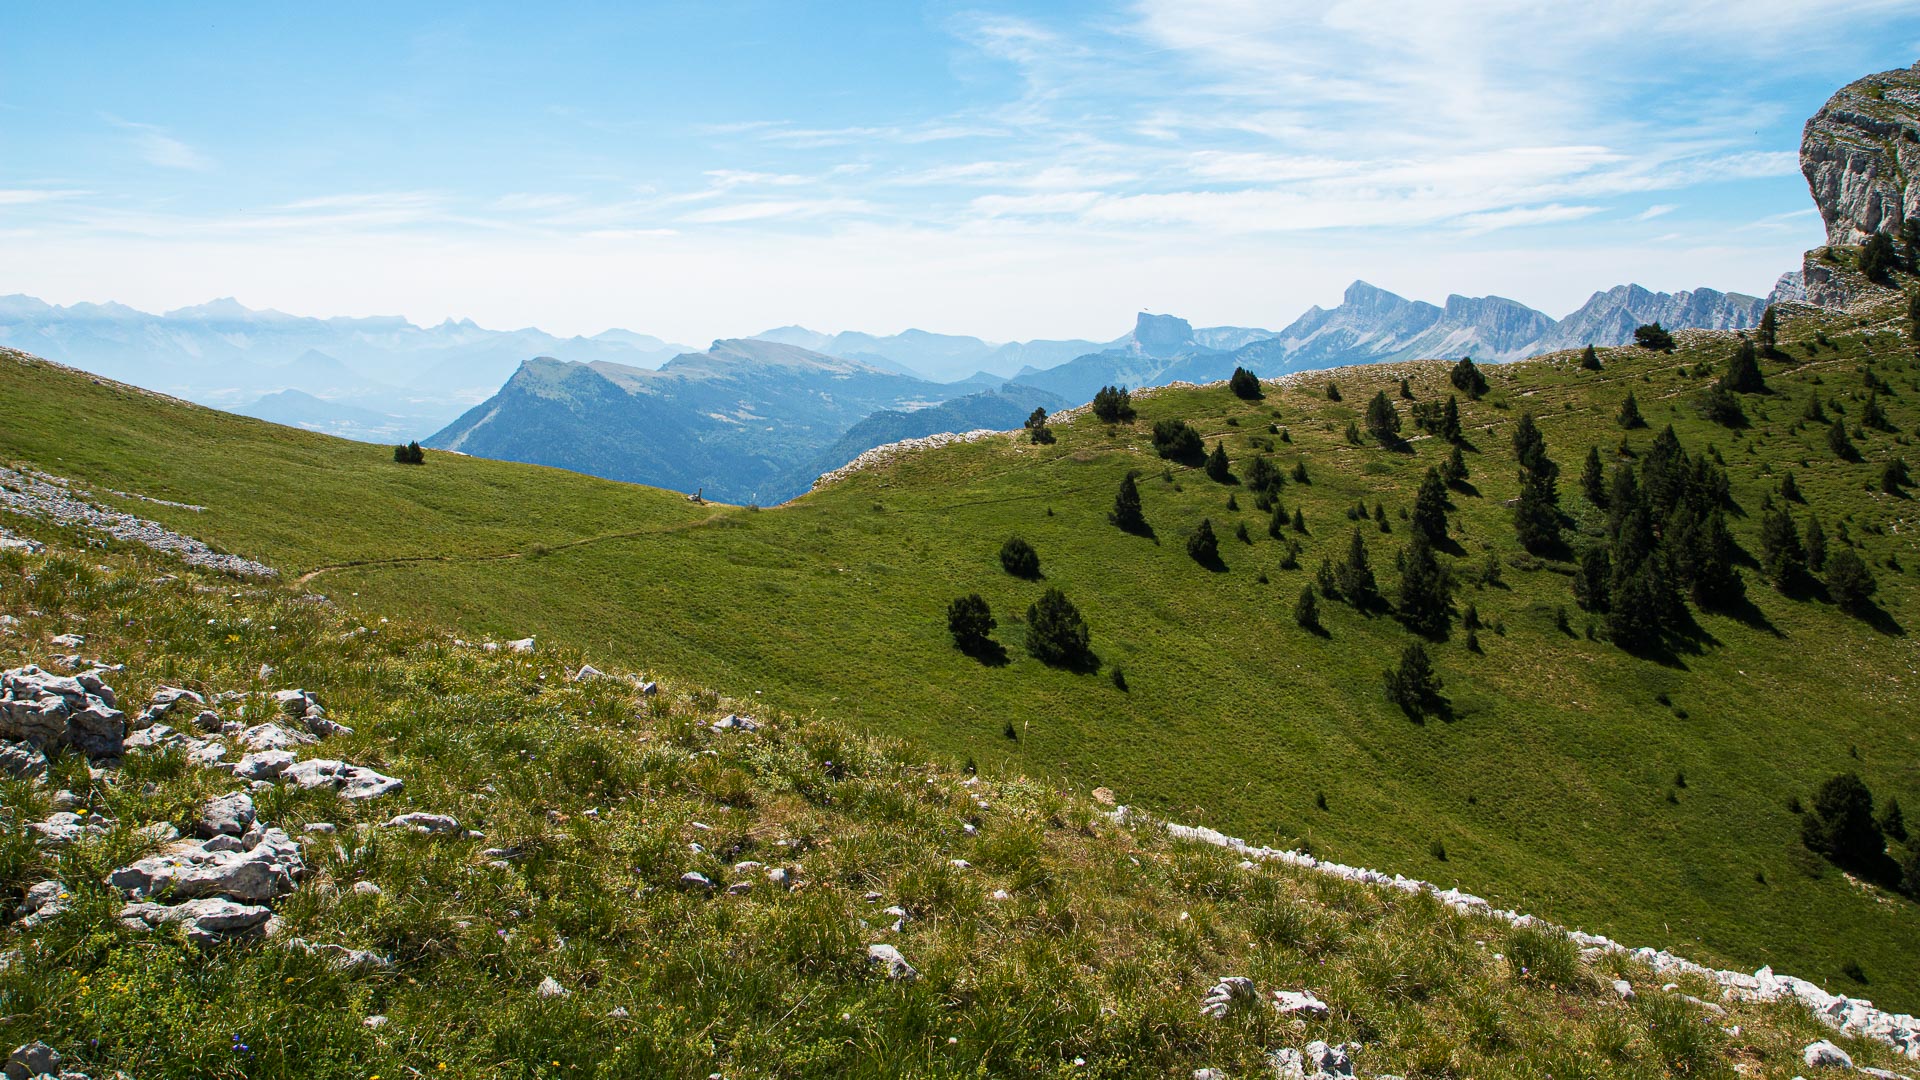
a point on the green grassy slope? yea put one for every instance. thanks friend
(1063, 945)
(1550, 790)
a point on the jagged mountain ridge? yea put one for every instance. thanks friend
(1372, 325)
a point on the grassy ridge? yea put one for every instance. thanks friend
(1064, 946)
(1550, 791)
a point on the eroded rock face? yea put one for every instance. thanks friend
(1859, 152)
(50, 711)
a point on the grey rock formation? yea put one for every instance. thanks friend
(1823, 1053)
(1610, 317)
(53, 498)
(265, 868)
(43, 903)
(889, 960)
(352, 781)
(22, 760)
(53, 711)
(1790, 289)
(228, 815)
(426, 824)
(207, 920)
(1232, 993)
(33, 1059)
(1859, 153)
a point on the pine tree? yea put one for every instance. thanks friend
(1056, 634)
(1450, 421)
(1590, 583)
(1406, 389)
(1454, 472)
(1300, 472)
(1244, 384)
(1872, 416)
(1380, 518)
(1018, 558)
(1722, 406)
(1813, 413)
(1840, 824)
(1892, 821)
(1333, 392)
(1638, 602)
(1326, 580)
(1630, 413)
(1355, 575)
(1037, 430)
(1535, 521)
(1126, 507)
(970, 622)
(1711, 574)
(1769, 332)
(1895, 479)
(1877, 259)
(1790, 489)
(1306, 611)
(1593, 479)
(1414, 686)
(1430, 509)
(1299, 521)
(1910, 249)
(1530, 448)
(1202, 545)
(1653, 336)
(1467, 379)
(1590, 360)
(1383, 420)
(1426, 589)
(1113, 405)
(1218, 468)
(1839, 442)
(1743, 371)
(1277, 521)
(1849, 581)
(1176, 440)
(1782, 555)
(1815, 542)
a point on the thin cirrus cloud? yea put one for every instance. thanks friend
(157, 147)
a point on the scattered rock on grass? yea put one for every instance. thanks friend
(1231, 994)
(895, 965)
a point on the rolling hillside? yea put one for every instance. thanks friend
(1648, 798)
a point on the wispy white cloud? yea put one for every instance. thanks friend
(1654, 211)
(156, 147)
(25, 196)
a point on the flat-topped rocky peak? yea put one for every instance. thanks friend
(1860, 153)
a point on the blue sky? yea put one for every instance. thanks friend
(711, 169)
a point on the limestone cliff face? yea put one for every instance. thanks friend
(1861, 154)
(1861, 157)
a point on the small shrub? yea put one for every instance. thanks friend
(1019, 559)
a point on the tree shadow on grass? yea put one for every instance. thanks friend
(1877, 617)
(988, 651)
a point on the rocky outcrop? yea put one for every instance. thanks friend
(1860, 153)
(49, 712)
(52, 498)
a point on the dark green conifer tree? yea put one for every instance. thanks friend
(1815, 543)
(1590, 583)
(1590, 360)
(1355, 576)
(1126, 513)
(1426, 589)
(1630, 417)
(1383, 420)
(1450, 421)
(1244, 384)
(1593, 479)
(1218, 468)
(1202, 546)
(1782, 555)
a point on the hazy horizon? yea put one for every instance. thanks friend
(1005, 171)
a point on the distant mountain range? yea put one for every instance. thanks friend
(756, 418)
(747, 420)
(363, 378)
(1372, 325)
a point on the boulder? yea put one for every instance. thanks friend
(1232, 993)
(54, 711)
(1824, 1054)
(271, 736)
(735, 722)
(264, 869)
(891, 962)
(352, 781)
(1298, 1003)
(426, 824)
(163, 703)
(44, 903)
(22, 760)
(230, 815)
(263, 765)
(33, 1059)
(65, 826)
(207, 920)
(550, 988)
